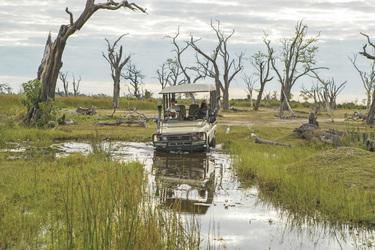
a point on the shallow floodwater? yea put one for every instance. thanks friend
(206, 188)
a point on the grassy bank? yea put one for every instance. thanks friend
(309, 179)
(82, 202)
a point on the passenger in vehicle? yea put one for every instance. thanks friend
(173, 110)
(203, 109)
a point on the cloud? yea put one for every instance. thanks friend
(24, 35)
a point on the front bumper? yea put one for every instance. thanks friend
(179, 142)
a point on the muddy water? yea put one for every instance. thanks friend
(206, 188)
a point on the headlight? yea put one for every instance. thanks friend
(199, 136)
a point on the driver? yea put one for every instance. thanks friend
(173, 110)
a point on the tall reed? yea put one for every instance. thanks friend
(83, 202)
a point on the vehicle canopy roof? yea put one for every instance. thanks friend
(188, 88)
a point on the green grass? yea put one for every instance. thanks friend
(10, 105)
(102, 103)
(82, 202)
(309, 179)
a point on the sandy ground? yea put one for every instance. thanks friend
(249, 119)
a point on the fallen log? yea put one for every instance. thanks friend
(123, 121)
(356, 116)
(86, 111)
(261, 141)
(139, 122)
(239, 110)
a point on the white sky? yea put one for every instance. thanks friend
(24, 26)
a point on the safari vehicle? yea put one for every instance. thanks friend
(190, 130)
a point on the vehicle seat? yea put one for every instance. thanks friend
(182, 111)
(192, 109)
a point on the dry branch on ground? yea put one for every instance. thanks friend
(261, 141)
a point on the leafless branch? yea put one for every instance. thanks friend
(71, 15)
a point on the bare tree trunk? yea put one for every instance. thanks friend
(368, 104)
(259, 98)
(371, 113)
(226, 99)
(116, 92)
(286, 103)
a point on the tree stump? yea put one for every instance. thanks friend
(313, 119)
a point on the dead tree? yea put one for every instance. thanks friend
(314, 93)
(65, 82)
(325, 90)
(333, 92)
(250, 83)
(76, 85)
(170, 73)
(261, 63)
(52, 59)
(371, 113)
(135, 78)
(175, 72)
(116, 63)
(368, 79)
(296, 53)
(163, 75)
(190, 74)
(210, 63)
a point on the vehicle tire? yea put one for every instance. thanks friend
(213, 143)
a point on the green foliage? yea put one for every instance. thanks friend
(44, 115)
(32, 90)
(10, 105)
(351, 105)
(47, 115)
(148, 94)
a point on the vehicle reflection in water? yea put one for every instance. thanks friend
(184, 180)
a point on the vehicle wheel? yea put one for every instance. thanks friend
(213, 143)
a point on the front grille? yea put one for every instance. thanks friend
(179, 138)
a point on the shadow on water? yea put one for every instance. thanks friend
(205, 185)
